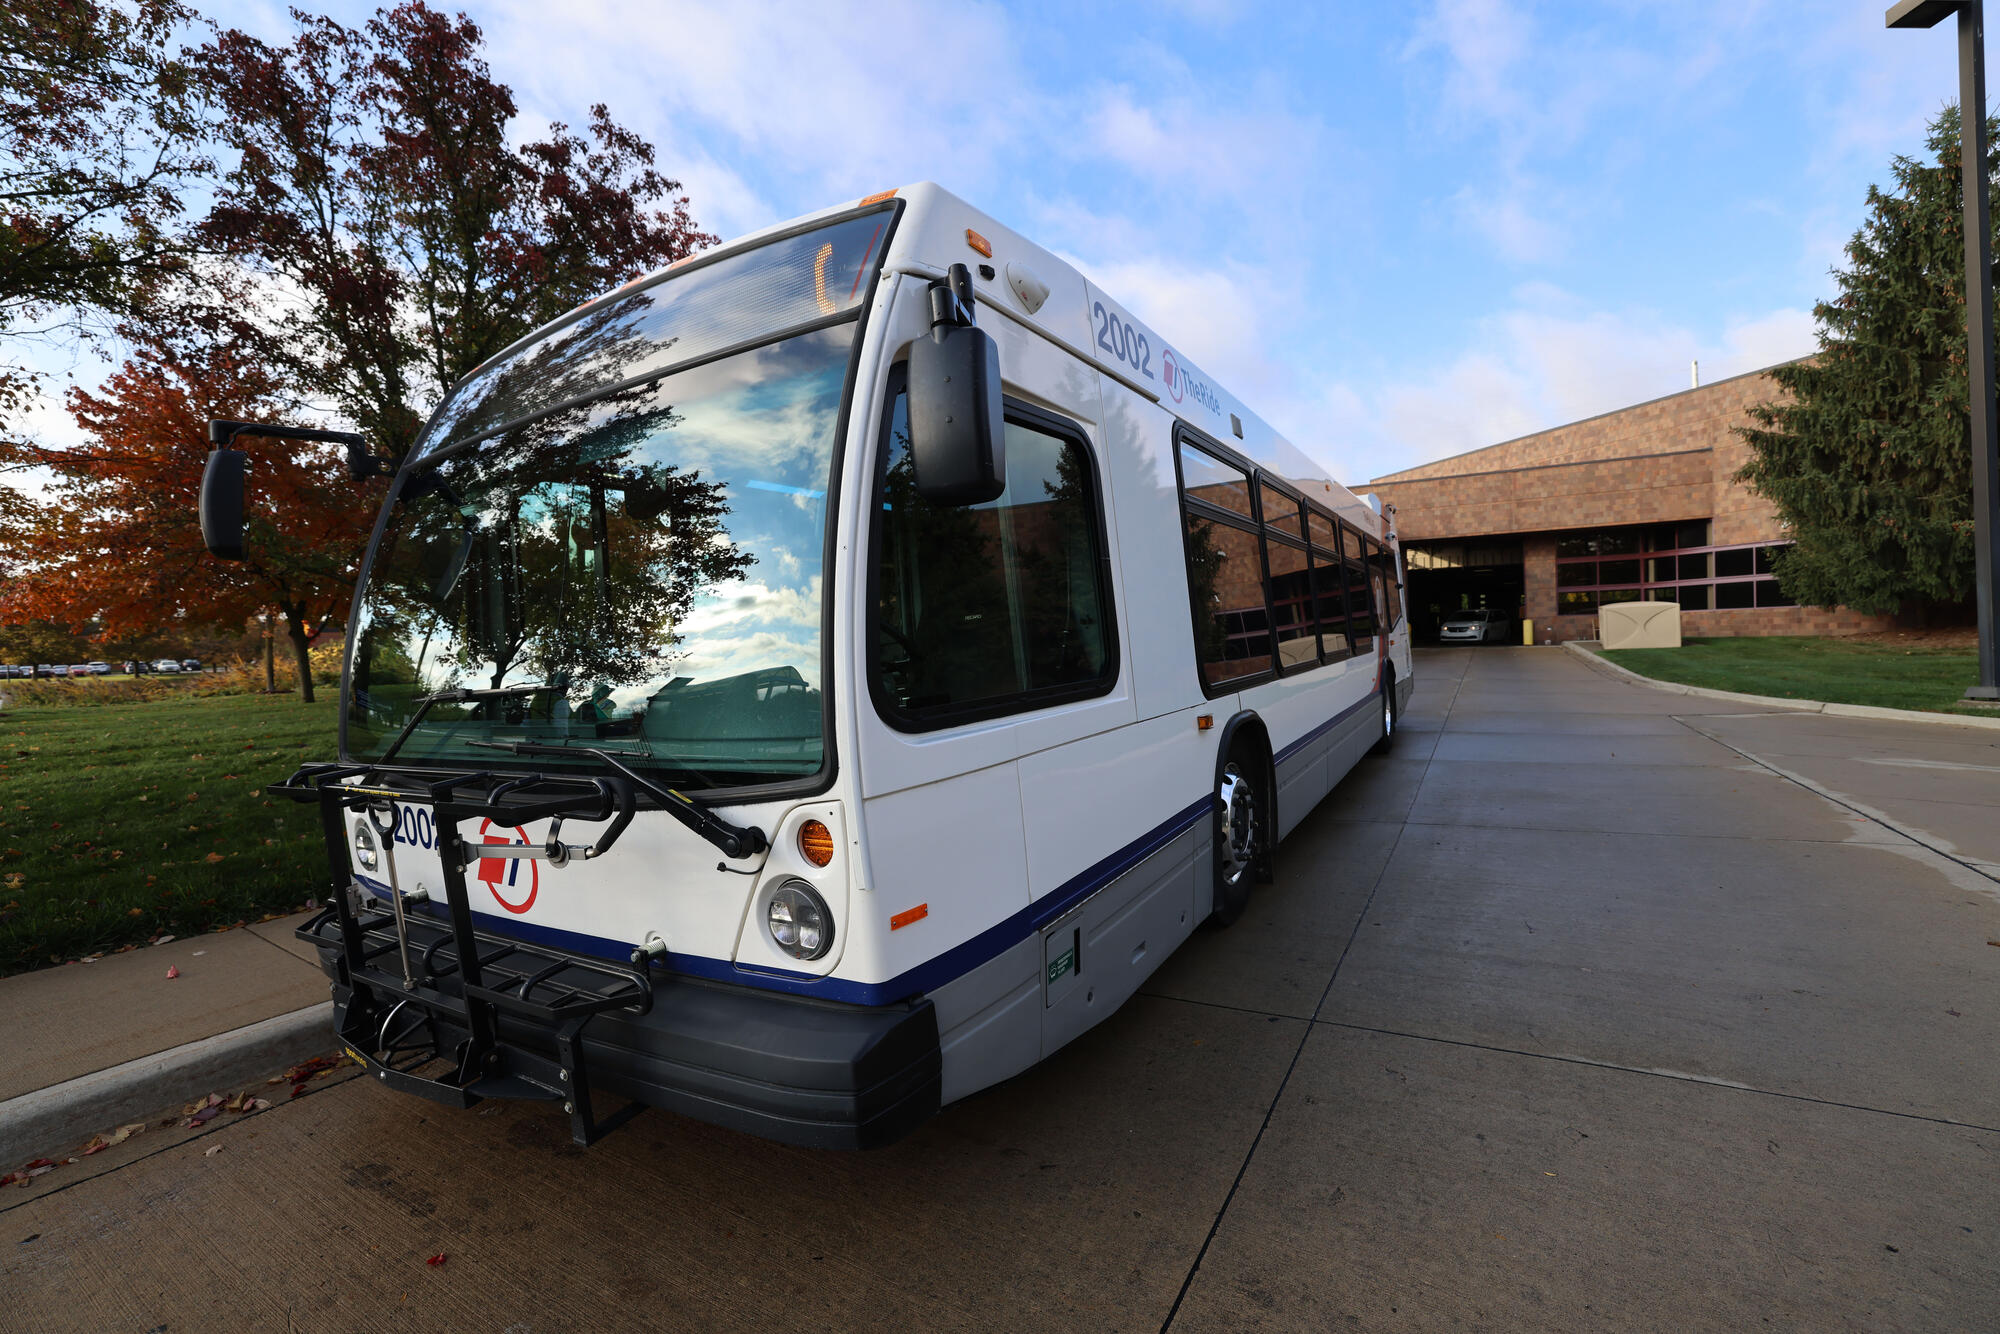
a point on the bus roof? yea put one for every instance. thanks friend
(936, 231)
(1085, 319)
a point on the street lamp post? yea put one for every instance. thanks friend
(1978, 310)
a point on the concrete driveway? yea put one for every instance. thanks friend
(1589, 1008)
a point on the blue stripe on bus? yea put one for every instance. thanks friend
(1325, 727)
(927, 976)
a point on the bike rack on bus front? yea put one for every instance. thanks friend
(501, 994)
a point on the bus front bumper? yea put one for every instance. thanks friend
(800, 1071)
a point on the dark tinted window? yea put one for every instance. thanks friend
(1618, 572)
(1576, 604)
(1320, 526)
(1693, 597)
(1292, 603)
(1578, 574)
(1731, 597)
(1226, 583)
(1390, 587)
(1618, 542)
(1209, 479)
(1732, 563)
(1281, 512)
(1769, 594)
(981, 606)
(1360, 609)
(1330, 593)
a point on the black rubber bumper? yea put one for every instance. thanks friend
(787, 1068)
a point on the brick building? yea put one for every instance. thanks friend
(1635, 504)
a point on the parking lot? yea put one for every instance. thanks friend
(1591, 1007)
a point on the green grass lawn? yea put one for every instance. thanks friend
(122, 822)
(1833, 670)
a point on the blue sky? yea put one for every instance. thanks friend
(1397, 231)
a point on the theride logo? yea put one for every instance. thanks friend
(1182, 385)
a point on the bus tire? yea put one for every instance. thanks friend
(1388, 741)
(1239, 830)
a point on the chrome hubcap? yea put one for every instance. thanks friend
(1239, 825)
(1388, 716)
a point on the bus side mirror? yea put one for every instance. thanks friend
(958, 440)
(222, 503)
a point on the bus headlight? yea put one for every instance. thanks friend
(364, 847)
(798, 920)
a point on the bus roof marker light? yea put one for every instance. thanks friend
(876, 198)
(979, 243)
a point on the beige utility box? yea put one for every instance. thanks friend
(1639, 625)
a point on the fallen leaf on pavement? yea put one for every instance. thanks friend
(211, 1151)
(435, 1260)
(172, 972)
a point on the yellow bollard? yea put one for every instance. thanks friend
(1527, 632)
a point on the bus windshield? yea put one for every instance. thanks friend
(637, 572)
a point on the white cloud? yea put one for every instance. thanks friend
(844, 98)
(1548, 361)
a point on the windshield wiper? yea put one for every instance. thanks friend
(732, 840)
(455, 696)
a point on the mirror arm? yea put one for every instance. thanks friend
(361, 465)
(951, 299)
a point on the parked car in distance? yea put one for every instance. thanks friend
(190, 664)
(98, 668)
(167, 665)
(1481, 625)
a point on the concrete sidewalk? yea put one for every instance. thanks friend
(88, 1044)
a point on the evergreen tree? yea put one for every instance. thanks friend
(1868, 460)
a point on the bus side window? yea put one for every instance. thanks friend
(984, 610)
(1329, 587)
(1226, 586)
(1391, 588)
(1360, 598)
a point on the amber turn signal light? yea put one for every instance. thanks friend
(815, 843)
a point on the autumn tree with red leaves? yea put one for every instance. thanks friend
(373, 179)
(119, 541)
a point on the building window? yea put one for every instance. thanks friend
(1676, 564)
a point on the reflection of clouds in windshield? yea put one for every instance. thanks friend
(715, 660)
(773, 287)
(729, 606)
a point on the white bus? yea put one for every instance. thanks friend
(818, 681)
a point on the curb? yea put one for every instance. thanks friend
(1777, 702)
(78, 1108)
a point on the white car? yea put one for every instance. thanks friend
(1482, 625)
(167, 665)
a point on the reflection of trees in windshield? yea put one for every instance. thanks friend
(651, 558)
(594, 353)
(559, 552)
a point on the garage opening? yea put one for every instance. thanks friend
(1447, 577)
